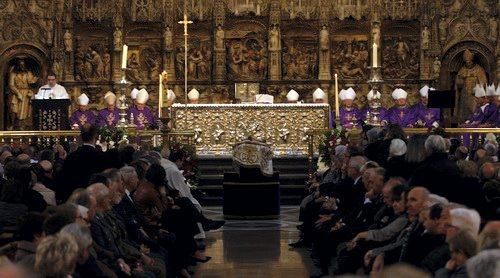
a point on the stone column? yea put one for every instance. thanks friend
(274, 42)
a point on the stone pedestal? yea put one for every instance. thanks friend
(274, 65)
(324, 66)
(220, 65)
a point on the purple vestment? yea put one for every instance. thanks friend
(350, 117)
(82, 117)
(405, 117)
(108, 117)
(143, 119)
(426, 115)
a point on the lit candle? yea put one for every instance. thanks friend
(337, 108)
(375, 56)
(124, 56)
(160, 96)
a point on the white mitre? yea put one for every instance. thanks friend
(292, 95)
(318, 94)
(170, 95)
(490, 90)
(83, 99)
(497, 92)
(348, 94)
(134, 93)
(479, 91)
(424, 92)
(110, 97)
(193, 94)
(142, 96)
(371, 95)
(399, 94)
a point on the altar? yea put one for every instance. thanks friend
(218, 127)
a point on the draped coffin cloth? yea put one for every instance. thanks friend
(252, 154)
(218, 127)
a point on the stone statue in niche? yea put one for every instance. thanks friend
(436, 68)
(117, 39)
(21, 82)
(247, 59)
(133, 67)
(152, 59)
(426, 34)
(274, 39)
(219, 38)
(300, 61)
(168, 38)
(106, 59)
(68, 41)
(57, 68)
(49, 26)
(350, 58)
(467, 78)
(324, 40)
(443, 26)
(401, 59)
(493, 22)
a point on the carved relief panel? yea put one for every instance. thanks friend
(349, 56)
(246, 48)
(92, 59)
(300, 54)
(199, 59)
(400, 52)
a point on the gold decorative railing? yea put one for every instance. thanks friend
(472, 134)
(145, 137)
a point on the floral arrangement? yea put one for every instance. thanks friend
(110, 135)
(330, 140)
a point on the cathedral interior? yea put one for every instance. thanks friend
(271, 46)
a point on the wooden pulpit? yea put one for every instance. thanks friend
(50, 114)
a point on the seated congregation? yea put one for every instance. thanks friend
(80, 212)
(425, 205)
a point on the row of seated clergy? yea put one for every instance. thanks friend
(144, 117)
(418, 115)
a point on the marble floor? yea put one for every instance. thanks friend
(256, 248)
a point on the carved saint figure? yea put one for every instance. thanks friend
(436, 68)
(493, 28)
(443, 25)
(106, 59)
(402, 51)
(426, 38)
(133, 68)
(324, 40)
(467, 78)
(219, 38)
(168, 38)
(20, 81)
(68, 41)
(57, 68)
(117, 39)
(274, 39)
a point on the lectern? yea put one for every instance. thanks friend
(50, 114)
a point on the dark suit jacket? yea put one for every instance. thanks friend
(438, 174)
(131, 217)
(78, 168)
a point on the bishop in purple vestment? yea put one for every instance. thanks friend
(401, 114)
(425, 116)
(350, 116)
(484, 115)
(144, 118)
(82, 116)
(110, 115)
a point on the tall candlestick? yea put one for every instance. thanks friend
(337, 108)
(160, 95)
(124, 56)
(375, 56)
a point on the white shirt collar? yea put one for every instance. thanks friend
(484, 107)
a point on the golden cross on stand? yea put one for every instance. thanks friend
(185, 22)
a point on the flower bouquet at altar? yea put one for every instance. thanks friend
(109, 137)
(330, 139)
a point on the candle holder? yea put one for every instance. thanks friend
(123, 106)
(375, 75)
(375, 82)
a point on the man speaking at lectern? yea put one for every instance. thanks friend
(52, 90)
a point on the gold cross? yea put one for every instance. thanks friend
(185, 22)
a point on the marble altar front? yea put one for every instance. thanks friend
(218, 127)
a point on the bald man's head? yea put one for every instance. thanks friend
(487, 171)
(23, 158)
(416, 200)
(490, 236)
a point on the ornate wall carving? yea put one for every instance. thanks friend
(81, 41)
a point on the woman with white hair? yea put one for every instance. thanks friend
(56, 256)
(396, 165)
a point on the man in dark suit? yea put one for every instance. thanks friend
(81, 164)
